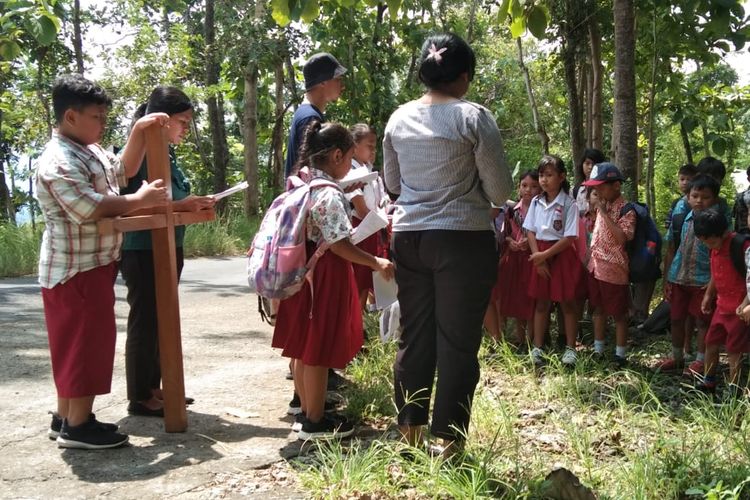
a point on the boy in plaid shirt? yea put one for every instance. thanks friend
(77, 183)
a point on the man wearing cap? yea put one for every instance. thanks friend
(608, 280)
(323, 85)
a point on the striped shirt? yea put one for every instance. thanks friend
(71, 181)
(447, 163)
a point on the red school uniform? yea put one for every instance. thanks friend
(514, 271)
(322, 323)
(726, 327)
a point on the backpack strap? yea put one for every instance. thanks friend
(737, 253)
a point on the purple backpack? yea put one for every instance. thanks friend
(277, 263)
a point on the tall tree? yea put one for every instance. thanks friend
(624, 140)
(77, 39)
(538, 125)
(215, 104)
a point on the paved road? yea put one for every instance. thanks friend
(237, 424)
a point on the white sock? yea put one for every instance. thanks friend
(621, 351)
(599, 346)
(700, 356)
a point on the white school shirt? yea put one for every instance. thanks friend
(373, 191)
(552, 221)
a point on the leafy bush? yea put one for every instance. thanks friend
(19, 249)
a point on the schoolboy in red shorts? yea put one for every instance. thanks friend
(608, 281)
(77, 183)
(727, 288)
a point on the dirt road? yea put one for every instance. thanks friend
(237, 425)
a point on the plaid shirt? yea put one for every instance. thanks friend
(71, 181)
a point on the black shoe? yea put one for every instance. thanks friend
(289, 375)
(136, 408)
(90, 435)
(189, 401)
(300, 418)
(620, 362)
(335, 381)
(56, 425)
(295, 406)
(327, 428)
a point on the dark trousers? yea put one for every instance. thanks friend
(444, 283)
(142, 367)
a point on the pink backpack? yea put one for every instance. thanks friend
(277, 263)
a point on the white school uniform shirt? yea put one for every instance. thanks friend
(554, 220)
(374, 191)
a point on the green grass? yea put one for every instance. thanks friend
(19, 249)
(227, 235)
(627, 433)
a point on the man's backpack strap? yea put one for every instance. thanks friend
(676, 229)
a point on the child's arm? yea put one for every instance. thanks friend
(741, 307)
(135, 149)
(148, 195)
(708, 297)
(560, 245)
(346, 250)
(360, 206)
(620, 236)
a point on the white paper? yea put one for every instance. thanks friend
(234, 189)
(356, 176)
(385, 291)
(373, 222)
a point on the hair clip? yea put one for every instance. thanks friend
(435, 53)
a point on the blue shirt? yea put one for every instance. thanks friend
(302, 117)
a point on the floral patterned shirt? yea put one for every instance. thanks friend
(329, 217)
(609, 259)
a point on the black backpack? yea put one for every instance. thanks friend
(737, 252)
(644, 250)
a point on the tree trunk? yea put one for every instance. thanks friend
(597, 124)
(472, 21)
(215, 105)
(376, 73)
(77, 39)
(250, 122)
(538, 126)
(625, 140)
(575, 118)
(277, 137)
(5, 199)
(292, 79)
(650, 188)
(40, 90)
(686, 144)
(589, 106)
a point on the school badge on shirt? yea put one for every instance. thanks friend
(557, 223)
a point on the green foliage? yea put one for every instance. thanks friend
(228, 235)
(19, 249)
(24, 23)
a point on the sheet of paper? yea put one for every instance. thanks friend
(373, 222)
(234, 189)
(357, 175)
(385, 291)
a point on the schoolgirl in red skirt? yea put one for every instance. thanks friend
(320, 327)
(371, 197)
(552, 227)
(514, 271)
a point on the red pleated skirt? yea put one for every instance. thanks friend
(514, 276)
(322, 326)
(567, 272)
(371, 245)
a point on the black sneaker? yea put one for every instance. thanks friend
(90, 435)
(335, 381)
(295, 406)
(300, 418)
(56, 425)
(620, 362)
(327, 428)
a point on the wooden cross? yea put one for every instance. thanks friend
(162, 221)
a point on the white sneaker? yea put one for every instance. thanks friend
(569, 358)
(537, 356)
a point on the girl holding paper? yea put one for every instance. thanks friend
(142, 367)
(365, 200)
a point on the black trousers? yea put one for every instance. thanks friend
(142, 367)
(445, 279)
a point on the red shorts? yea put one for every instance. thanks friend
(686, 301)
(568, 279)
(730, 330)
(80, 316)
(613, 300)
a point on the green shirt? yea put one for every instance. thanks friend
(141, 240)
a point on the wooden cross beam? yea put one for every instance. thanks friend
(161, 222)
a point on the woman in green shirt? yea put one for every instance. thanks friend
(142, 366)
